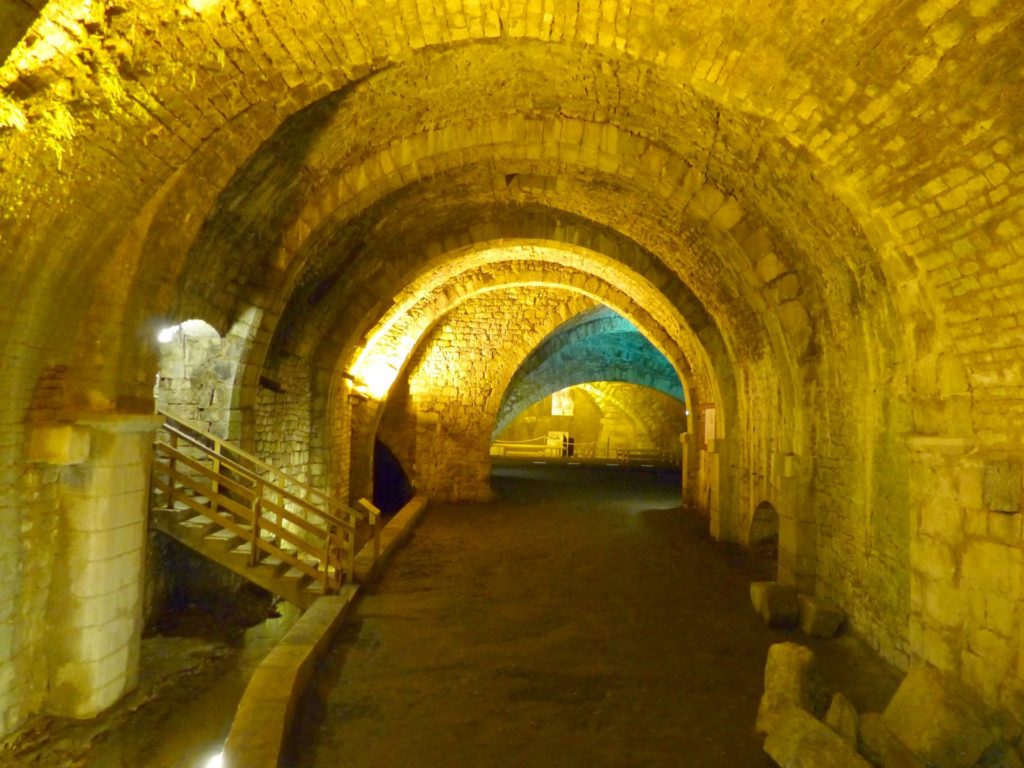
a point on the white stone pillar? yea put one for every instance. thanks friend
(96, 604)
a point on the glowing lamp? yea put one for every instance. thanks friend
(167, 334)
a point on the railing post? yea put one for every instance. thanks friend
(373, 518)
(350, 566)
(281, 502)
(331, 547)
(171, 463)
(216, 483)
(257, 505)
(376, 534)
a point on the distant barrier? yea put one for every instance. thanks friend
(546, 448)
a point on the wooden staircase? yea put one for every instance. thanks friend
(253, 519)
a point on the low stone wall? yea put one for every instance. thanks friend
(259, 733)
(260, 730)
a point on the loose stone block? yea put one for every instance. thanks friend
(935, 720)
(776, 603)
(800, 741)
(881, 747)
(791, 678)
(842, 718)
(819, 617)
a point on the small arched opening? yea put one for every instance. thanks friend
(196, 376)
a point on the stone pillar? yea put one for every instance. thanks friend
(709, 486)
(937, 609)
(798, 531)
(95, 610)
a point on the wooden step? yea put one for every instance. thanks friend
(223, 538)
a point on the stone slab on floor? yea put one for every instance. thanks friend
(819, 617)
(775, 603)
(798, 740)
(842, 718)
(937, 722)
(791, 678)
(881, 747)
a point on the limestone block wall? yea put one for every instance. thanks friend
(283, 430)
(292, 418)
(967, 566)
(197, 375)
(29, 525)
(36, 449)
(455, 382)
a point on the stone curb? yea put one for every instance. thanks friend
(260, 730)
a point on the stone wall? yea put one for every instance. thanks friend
(455, 382)
(967, 567)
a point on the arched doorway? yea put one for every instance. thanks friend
(763, 537)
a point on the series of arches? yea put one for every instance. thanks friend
(806, 210)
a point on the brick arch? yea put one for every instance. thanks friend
(486, 266)
(801, 120)
(570, 271)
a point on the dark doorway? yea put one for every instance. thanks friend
(391, 486)
(764, 536)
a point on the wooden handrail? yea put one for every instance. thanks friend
(244, 471)
(284, 477)
(246, 496)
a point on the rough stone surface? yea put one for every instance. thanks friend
(819, 617)
(936, 722)
(1000, 756)
(800, 741)
(775, 603)
(841, 717)
(442, 420)
(881, 747)
(791, 678)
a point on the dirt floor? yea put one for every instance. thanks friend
(581, 620)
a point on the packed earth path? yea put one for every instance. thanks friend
(580, 619)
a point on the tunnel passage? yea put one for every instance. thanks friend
(814, 212)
